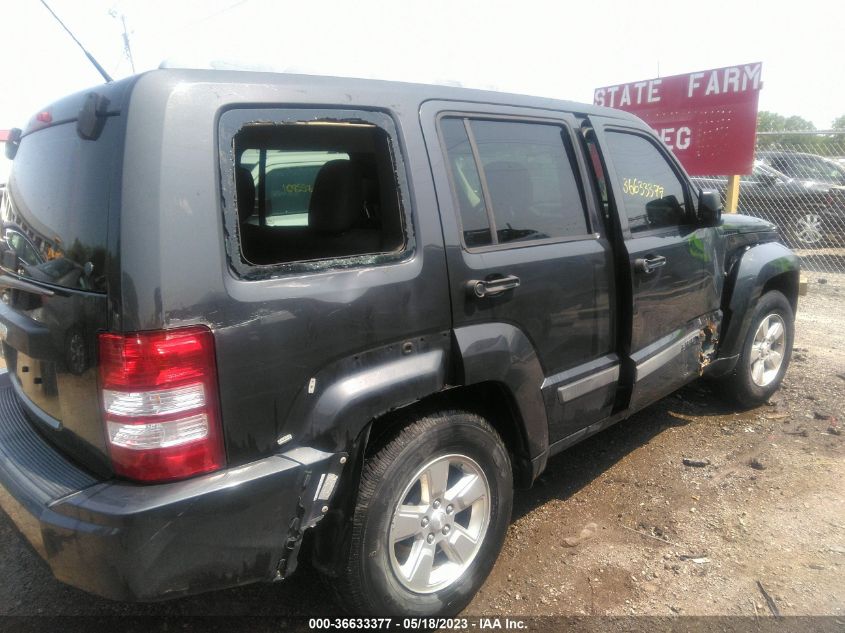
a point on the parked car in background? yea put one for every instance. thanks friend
(809, 214)
(804, 167)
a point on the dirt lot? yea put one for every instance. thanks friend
(659, 537)
(670, 538)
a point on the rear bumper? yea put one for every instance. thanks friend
(147, 542)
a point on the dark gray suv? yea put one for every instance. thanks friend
(270, 306)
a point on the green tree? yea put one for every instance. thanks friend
(770, 122)
(774, 122)
(798, 124)
(839, 123)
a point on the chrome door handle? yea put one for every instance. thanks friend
(492, 287)
(648, 265)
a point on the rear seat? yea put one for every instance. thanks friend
(336, 216)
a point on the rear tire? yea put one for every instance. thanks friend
(766, 352)
(433, 508)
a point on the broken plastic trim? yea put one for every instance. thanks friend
(709, 336)
(311, 506)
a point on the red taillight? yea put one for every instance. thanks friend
(44, 117)
(159, 397)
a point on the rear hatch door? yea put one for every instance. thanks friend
(56, 255)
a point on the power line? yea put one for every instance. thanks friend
(90, 57)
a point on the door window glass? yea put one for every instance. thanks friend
(652, 193)
(466, 184)
(531, 188)
(530, 179)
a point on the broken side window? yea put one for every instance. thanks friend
(315, 190)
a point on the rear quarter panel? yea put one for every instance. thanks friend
(272, 335)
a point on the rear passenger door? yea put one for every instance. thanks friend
(674, 265)
(524, 248)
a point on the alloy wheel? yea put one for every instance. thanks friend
(767, 350)
(439, 524)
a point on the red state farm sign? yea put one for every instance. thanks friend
(708, 118)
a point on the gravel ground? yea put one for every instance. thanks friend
(664, 538)
(618, 525)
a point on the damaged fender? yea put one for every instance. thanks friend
(756, 267)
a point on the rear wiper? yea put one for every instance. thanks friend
(6, 281)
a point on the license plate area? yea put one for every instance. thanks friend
(37, 380)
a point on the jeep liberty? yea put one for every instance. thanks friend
(253, 319)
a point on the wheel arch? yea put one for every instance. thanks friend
(495, 372)
(761, 268)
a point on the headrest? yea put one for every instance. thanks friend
(337, 198)
(245, 191)
(510, 186)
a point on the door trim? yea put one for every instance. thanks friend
(653, 363)
(588, 384)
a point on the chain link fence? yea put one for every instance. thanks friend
(798, 183)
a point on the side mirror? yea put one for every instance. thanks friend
(709, 208)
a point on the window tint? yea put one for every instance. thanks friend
(466, 184)
(315, 191)
(532, 188)
(652, 194)
(58, 204)
(533, 192)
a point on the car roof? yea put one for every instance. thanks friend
(789, 153)
(345, 87)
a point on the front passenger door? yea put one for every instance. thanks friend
(674, 264)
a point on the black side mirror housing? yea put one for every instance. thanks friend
(709, 208)
(92, 117)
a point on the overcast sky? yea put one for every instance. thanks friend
(557, 49)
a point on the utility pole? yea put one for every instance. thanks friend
(127, 49)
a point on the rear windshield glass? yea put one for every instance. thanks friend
(55, 217)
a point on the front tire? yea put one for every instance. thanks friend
(766, 352)
(432, 511)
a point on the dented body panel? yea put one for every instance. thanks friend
(755, 266)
